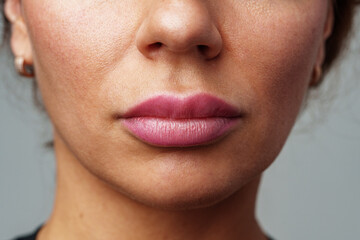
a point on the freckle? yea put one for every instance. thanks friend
(81, 215)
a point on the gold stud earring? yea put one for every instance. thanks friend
(22, 68)
(317, 76)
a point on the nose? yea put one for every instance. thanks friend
(179, 26)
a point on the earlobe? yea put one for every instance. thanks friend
(328, 29)
(19, 41)
(329, 24)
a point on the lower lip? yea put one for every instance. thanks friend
(168, 132)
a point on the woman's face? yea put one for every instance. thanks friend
(96, 59)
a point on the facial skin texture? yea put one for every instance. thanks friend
(92, 60)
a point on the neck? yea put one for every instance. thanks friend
(87, 208)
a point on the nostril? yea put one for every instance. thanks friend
(154, 46)
(203, 48)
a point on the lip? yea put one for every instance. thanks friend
(169, 121)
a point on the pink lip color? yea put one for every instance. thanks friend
(172, 122)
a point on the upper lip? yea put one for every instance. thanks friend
(197, 106)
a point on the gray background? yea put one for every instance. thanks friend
(311, 191)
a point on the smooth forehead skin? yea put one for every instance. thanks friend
(91, 60)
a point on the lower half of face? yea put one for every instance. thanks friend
(91, 71)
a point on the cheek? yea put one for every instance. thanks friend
(76, 44)
(275, 52)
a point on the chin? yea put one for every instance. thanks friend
(180, 200)
(182, 193)
(176, 179)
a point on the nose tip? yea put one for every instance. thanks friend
(179, 27)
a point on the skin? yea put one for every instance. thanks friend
(261, 57)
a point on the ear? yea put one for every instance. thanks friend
(19, 41)
(328, 29)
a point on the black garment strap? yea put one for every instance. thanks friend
(33, 236)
